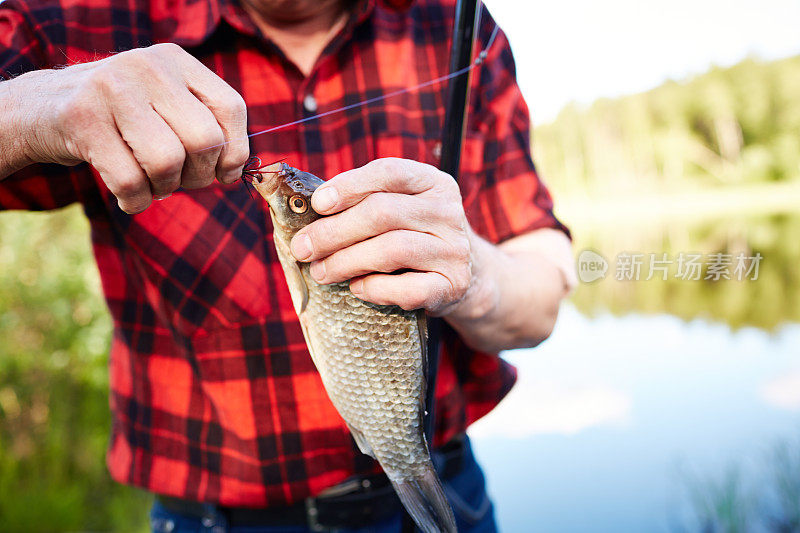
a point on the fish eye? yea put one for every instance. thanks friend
(298, 204)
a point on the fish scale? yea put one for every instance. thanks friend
(347, 333)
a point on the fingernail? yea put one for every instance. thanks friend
(318, 270)
(357, 286)
(159, 198)
(301, 247)
(325, 198)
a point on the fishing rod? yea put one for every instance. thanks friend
(468, 14)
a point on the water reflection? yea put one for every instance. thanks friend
(771, 300)
(698, 396)
(655, 404)
(783, 391)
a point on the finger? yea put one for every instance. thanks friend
(197, 129)
(155, 146)
(388, 252)
(376, 214)
(382, 175)
(409, 290)
(121, 172)
(229, 110)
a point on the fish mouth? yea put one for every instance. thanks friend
(266, 179)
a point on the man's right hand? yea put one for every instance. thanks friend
(144, 118)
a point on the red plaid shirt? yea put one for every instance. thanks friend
(213, 394)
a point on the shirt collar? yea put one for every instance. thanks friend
(192, 22)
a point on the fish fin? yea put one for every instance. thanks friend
(422, 328)
(310, 344)
(294, 277)
(361, 440)
(424, 499)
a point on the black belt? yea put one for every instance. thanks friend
(357, 502)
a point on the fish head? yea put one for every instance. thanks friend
(288, 192)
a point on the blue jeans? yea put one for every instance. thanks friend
(466, 491)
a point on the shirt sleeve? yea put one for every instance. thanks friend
(26, 44)
(503, 194)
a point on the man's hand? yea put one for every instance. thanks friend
(399, 232)
(144, 119)
(397, 229)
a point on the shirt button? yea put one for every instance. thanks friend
(310, 103)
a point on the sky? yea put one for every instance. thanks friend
(579, 50)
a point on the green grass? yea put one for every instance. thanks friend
(54, 415)
(764, 497)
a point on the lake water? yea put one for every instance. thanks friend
(613, 417)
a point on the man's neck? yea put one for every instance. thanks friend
(300, 32)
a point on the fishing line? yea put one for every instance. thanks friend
(478, 61)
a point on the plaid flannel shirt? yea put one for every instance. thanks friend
(214, 396)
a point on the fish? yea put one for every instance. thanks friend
(372, 358)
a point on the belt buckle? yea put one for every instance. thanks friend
(312, 515)
(345, 488)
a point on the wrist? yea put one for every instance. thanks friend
(515, 295)
(482, 298)
(16, 116)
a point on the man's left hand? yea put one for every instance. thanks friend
(397, 230)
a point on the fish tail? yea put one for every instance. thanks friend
(424, 499)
